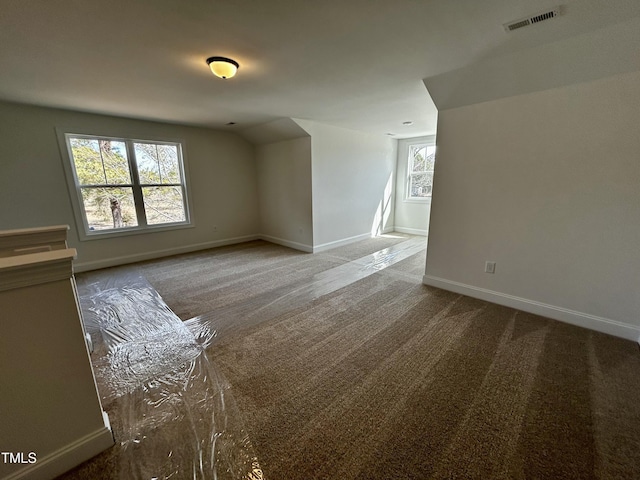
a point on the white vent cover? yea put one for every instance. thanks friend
(530, 20)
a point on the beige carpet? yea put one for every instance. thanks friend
(386, 378)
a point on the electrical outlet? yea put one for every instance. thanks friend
(490, 267)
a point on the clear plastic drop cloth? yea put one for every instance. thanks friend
(172, 412)
(290, 297)
(229, 319)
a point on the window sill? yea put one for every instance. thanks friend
(125, 232)
(417, 200)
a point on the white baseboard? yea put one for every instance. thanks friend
(67, 457)
(139, 257)
(287, 243)
(411, 231)
(592, 322)
(339, 243)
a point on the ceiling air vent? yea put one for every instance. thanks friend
(537, 18)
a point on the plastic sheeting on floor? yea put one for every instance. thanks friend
(225, 319)
(174, 415)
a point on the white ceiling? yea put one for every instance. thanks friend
(356, 64)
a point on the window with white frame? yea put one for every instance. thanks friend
(126, 185)
(420, 165)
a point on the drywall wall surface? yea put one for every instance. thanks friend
(547, 185)
(33, 191)
(353, 183)
(411, 216)
(274, 131)
(50, 406)
(284, 192)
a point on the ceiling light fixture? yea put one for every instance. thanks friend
(223, 67)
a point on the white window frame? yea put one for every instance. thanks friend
(75, 193)
(408, 159)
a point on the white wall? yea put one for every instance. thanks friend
(48, 399)
(284, 192)
(411, 216)
(353, 183)
(33, 190)
(547, 185)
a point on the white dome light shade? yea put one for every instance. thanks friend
(223, 67)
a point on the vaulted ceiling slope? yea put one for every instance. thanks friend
(359, 64)
(592, 55)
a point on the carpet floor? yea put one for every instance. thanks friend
(342, 365)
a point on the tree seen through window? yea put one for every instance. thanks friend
(420, 171)
(128, 184)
